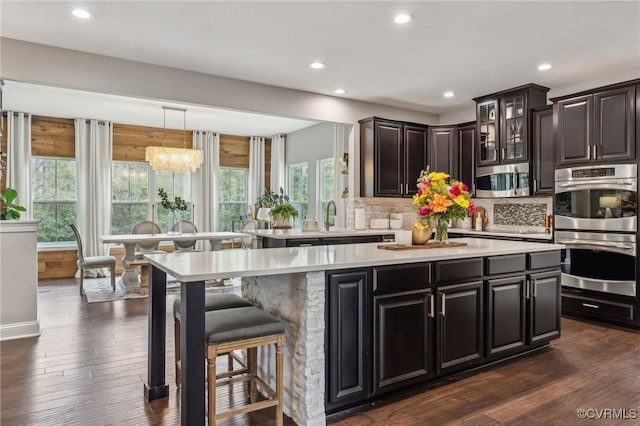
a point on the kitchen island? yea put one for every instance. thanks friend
(271, 238)
(388, 319)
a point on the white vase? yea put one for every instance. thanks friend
(174, 222)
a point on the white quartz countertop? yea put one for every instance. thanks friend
(199, 266)
(502, 233)
(297, 233)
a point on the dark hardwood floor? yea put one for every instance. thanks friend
(89, 364)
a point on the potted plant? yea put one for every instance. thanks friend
(8, 209)
(281, 215)
(266, 201)
(174, 221)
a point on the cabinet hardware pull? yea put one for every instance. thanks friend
(443, 300)
(589, 305)
(504, 153)
(431, 307)
(535, 185)
(306, 245)
(534, 288)
(406, 188)
(589, 152)
(527, 289)
(595, 152)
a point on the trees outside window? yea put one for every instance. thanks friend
(176, 184)
(54, 195)
(298, 189)
(130, 195)
(326, 186)
(232, 196)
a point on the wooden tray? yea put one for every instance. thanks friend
(428, 245)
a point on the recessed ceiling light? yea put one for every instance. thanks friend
(402, 18)
(81, 13)
(448, 94)
(340, 91)
(317, 65)
(544, 67)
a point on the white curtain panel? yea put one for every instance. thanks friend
(256, 169)
(277, 162)
(206, 183)
(19, 159)
(93, 176)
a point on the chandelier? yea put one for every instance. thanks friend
(183, 159)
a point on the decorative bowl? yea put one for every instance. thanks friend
(420, 236)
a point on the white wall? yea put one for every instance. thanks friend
(561, 89)
(309, 145)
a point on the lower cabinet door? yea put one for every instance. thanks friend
(544, 306)
(403, 348)
(348, 324)
(460, 326)
(506, 313)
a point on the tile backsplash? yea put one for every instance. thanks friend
(503, 213)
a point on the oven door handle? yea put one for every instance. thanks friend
(596, 184)
(596, 243)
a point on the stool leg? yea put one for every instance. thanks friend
(279, 378)
(211, 384)
(176, 347)
(252, 364)
(230, 361)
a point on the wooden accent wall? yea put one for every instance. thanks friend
(53, 137)
(130, 142)
(57, 264)
(234, 151)
(267, 163)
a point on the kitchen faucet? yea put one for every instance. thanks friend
(327, 222)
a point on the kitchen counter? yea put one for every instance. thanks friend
(298, 233)
(502, 233)
(291, 284)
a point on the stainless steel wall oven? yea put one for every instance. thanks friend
(595, 215)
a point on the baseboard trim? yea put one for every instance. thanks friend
(19, 330)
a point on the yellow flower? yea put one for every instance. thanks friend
(462, 201)
(437, 178)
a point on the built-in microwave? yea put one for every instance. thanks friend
(506, 180)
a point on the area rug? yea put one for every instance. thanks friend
(99, 289)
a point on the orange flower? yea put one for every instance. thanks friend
(440, 203)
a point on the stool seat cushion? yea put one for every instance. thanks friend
(230, 325)
(213, 302)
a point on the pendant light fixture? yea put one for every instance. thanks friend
(162, 158)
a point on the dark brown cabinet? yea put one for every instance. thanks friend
(542, 150)
(392, 154)
(443, 149)
(402, 336)
(506, 309)
(503, 124)
(348, 333)
(466, 156)
(459, 335)
(544, 306)
(596, 127)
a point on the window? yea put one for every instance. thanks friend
(130, 195)
(326, 186)
(55, 202)
(232, 196)
(298, 183)
(176, 184)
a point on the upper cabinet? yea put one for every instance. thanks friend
(503, 124)
(542, 151)
(392, 154)
(443, 149)
(597, 127)
(466, 154)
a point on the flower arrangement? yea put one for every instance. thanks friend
(177, 204)
(440, 199)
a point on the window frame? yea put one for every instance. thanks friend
(244, 205)
(297, 203)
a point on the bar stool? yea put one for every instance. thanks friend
(212, 302)
(243, 328)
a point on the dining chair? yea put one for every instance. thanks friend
(147, 227)
(93, 262)
(188, 227)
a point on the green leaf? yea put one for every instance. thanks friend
(10, 194)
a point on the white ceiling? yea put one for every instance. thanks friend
(473, 48)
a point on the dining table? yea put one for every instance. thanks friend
(129, 279)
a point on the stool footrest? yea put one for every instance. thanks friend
(246, 409)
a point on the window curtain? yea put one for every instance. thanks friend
(19, 159)
(93, 174)
(256, 170)
(205, 208)
(277, 162)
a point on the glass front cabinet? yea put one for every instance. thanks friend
(503, 124)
